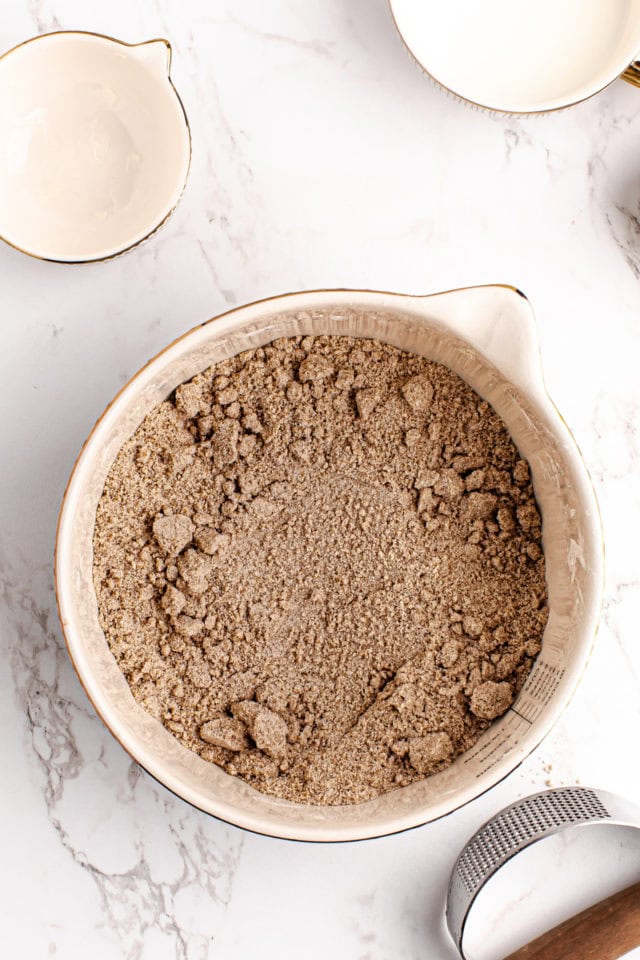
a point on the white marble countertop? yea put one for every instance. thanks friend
(322, 158)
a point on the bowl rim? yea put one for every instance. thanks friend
(537, 111)
(350, 833)
(156, 226)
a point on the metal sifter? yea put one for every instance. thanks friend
(603, 932)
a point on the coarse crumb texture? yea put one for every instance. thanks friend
(319, 565)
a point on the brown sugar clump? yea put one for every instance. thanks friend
(319, 565)
(490, 700)
(225, 732)
(268, 729)
(425, 753)
(418, 392)
(173, 533)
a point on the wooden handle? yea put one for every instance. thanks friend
(605, 931)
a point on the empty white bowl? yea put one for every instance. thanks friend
(523, 56)
(94, 145)
(487, 336)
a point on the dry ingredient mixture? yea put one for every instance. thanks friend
(318, 564)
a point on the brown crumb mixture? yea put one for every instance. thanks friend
(318, 564)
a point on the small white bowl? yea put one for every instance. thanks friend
(94, 145)
(522, 56)
(487, 336)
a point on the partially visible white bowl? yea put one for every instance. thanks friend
(94, 145)
(487, 336)
(522, 56)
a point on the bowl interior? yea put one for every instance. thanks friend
(565, 499)
(521, 57)
(94, 145)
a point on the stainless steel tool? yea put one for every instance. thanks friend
(519, 826)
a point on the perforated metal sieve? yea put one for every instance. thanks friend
(519, 826)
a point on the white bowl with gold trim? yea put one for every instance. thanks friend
(487, 336)
(523, 56)
(94, 145)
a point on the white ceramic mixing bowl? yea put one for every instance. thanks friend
(487, 336)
